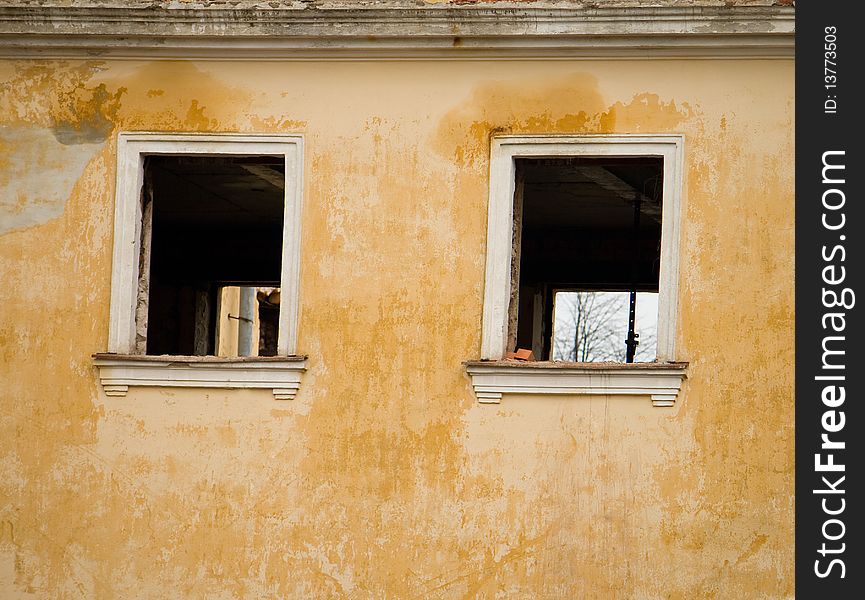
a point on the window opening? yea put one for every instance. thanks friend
(587, 253)
(211, 255)
(248, 321)
(591, 326)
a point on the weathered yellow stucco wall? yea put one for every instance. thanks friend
(385, 478)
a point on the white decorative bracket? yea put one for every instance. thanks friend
(660, 381)
(281, 374)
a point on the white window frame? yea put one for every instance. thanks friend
(490, 382)
(132, 148)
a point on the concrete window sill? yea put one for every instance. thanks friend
(659, 381)
(281, 374)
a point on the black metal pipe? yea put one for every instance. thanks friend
(633, 337)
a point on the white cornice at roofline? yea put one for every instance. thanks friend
(397, 33)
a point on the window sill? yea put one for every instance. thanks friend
(660, 381)
(281, 374)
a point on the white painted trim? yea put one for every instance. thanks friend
(290, 277)
(409, 32)
(500, 220)
(117, 373)
(132, 147)
(662, 382)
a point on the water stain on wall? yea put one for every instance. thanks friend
(53, 121)
(55, 116)
(59, 94)
(567, 105)
(91, 115)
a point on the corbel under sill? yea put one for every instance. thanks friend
(281, 374)
(659, 381)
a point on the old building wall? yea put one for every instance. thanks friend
(385, 478)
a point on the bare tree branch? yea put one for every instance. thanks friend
(592, 327)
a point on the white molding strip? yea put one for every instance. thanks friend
(500, 220)
(281, 375)
(132, 147)
(497, 31)
(660, 381)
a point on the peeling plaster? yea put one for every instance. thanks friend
(38, 172)
(385, 478)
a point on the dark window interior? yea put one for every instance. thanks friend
(582, 224)
(216, 221)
